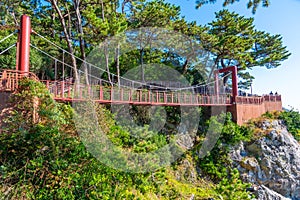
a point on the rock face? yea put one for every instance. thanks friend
(264, 193)
(271, 162)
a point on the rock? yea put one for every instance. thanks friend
(185, 141)
(249, 163)
(264, 193)
(272, 162)
(186, 171)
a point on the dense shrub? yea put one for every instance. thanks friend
(42, 157)
(292, 120)
(217, 164)
(45, 159)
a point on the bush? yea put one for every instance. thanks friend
(45, 159)
(292, 121)
(217, 164)
(233, 188)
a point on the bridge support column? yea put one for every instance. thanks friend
(233, 70)
(23, 45)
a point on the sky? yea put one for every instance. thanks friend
(281, 17)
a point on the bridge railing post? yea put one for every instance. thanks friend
(128, 92)
(121, 94)
(101, 93)
(111, 94)
(149, 97)
(62, 89)
(69, 89)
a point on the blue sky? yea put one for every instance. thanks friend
(281, 17)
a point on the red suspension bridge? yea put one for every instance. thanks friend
(66, 88)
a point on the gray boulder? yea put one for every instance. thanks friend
(271, 162)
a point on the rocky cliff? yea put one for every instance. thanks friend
(271, 162)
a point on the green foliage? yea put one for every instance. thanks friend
(233, 133)
(42, 156)
(217, 163)
(292, 121)
(8, 58)
(140, 139)
(233, 188)
(155, 13)
(268, 115)
(290, 118)
(45, 159)
(251, 3)
(233, 40)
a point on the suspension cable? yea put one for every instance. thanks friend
(109, 73)
(123, 78)
(10, 35)
(50, 56)
(13, 45)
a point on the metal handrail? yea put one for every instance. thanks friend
(258, 99)
(9, 79)
(20, 74)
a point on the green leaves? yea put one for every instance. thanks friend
(218, 164)
(292, 121)
(234, 40)
(231, 38)
(251, 3)
(233, 188)
(8, 58)
(155, 13)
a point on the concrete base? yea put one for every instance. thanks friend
(242, 113)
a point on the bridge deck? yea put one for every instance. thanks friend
(67, 91)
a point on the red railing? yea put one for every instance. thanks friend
(69, 91)
(9, 79)
(272, 98)
(257, 99)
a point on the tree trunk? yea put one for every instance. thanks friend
(102, 10)
(106, 55)
(142, 66)
(67, 37)
(213, 69)
(81, 40)
(185, 66)
(118, 63)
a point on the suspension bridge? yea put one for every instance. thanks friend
(64, 87)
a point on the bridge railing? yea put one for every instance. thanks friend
(257, 99)
(9, 79)
(272, 98)
(69, 91)
(249, 100)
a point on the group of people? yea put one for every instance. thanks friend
(242, 93)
